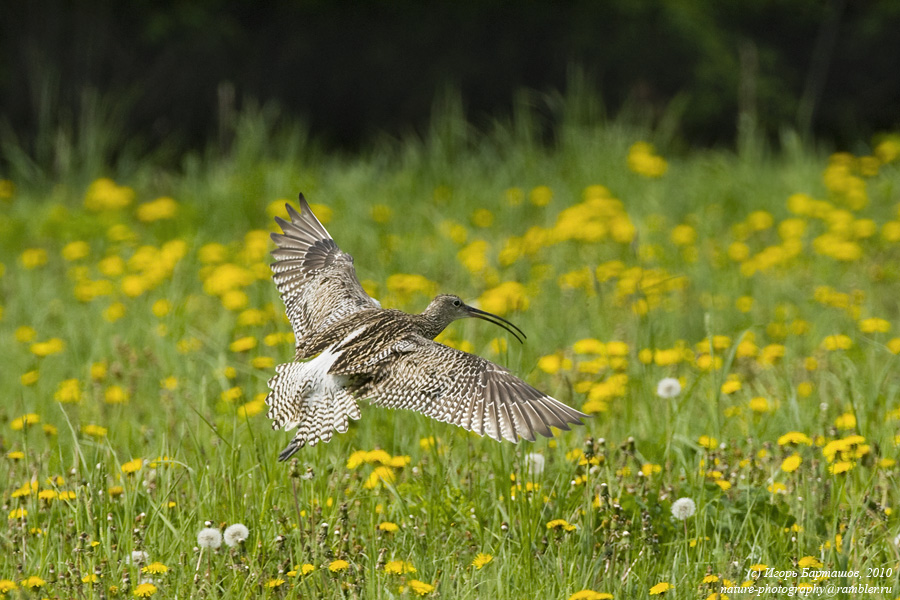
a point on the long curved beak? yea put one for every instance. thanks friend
(491, 318)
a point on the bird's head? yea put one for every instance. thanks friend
(446, 308)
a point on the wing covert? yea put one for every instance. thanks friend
(466, 390)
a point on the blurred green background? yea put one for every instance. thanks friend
(163, 77)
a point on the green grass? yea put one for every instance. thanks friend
(727, 289)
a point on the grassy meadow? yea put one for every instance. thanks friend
(729, 319)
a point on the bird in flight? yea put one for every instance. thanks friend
(349, 348)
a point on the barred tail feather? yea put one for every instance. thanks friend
(307, 397)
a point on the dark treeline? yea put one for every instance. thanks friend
(171, 72)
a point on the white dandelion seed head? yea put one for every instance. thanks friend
(683, 508)
(209, 537)
(897, 540)
(668, 387)
(534, 464)
(138, 557)
(235, 534)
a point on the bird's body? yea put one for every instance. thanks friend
(350, 348)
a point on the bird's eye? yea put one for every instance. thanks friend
(457, 302)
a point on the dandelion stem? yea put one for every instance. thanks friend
(296, 499)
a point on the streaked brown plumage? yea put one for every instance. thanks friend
(350, 348)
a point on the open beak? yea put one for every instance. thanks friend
(491, 318)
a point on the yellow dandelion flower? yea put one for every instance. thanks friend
(104, 194)
(661, 588)
(683, 235)
(837, 342)
(643, 160)
(845, 421)
(649, 469)
(76, 250)
(161, 308)
(777, 488)
(730, 386)
(791, 463)
(474, 258)
(590, 595)
(262, 362)
(378, 456)
(758, 567)
(874, 325)
(155, 568)
(399, 567)
(710, 579)
(482, 218)
(98, 370)
(116, 491)
(68, 392)
(388, 527)
(893, 345)
(157, 210)
(560, 524)
(252, 408)
(841, 466)
(540, 196)
(243, 344)
(794, 437)
(24, 421)
(554, 363)
(398, 462)
(51, 346)
(507, 297)
(405, 285)
(25, 334)
(94, 430)
(378, 475)
(33, 258)
(808, 562)
(481, 559)
(274, 583)
(336, 566)
(420, 587)
(706, 441)
(356, 459)
(17, 513)
(231, 394)
(115, 394)
(34, 582)
(15, 455)
(114, 312)
(759, 405)
(132, 466)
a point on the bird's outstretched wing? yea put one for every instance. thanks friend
(466, 390)
(316, 280)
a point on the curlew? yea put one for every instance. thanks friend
(349, 348)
